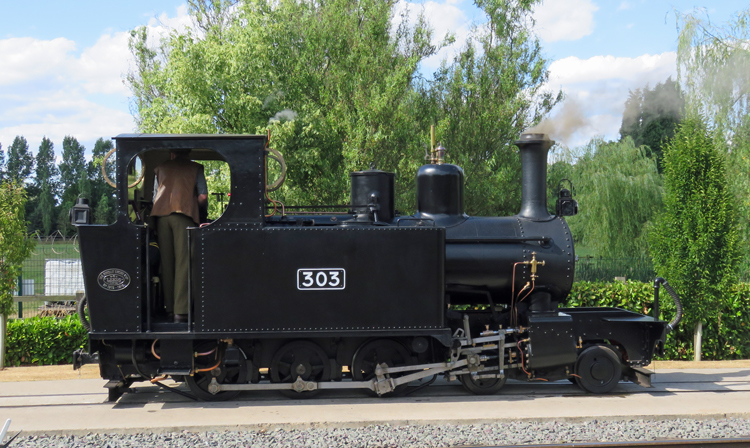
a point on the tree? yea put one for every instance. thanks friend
(103, 211)
(620, 191)
(20, 160)
(331, 79)
(337, 83)
(2, 163)
(651, 116)
(72, 169)
(482, 101)
(15, 247)
(100, 190)
(712, 63)
(694, 244)
(46, 182)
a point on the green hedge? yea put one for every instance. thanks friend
(43, 340)
(727, 338)
(48, 340)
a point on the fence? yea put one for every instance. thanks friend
(51, 278)
(593, 269)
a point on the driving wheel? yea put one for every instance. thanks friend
(598, 369)
(482, 386)
(226, 364)
(300, 359)
(380, 351)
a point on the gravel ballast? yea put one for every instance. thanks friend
(501, 433)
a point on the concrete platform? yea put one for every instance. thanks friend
(79, 406)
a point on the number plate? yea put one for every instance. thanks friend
(317, 279)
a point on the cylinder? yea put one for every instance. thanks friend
(534, 149)
(440, 190)
(372, 195)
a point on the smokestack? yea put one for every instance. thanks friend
(534, 148)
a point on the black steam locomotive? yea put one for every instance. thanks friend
(364, 298)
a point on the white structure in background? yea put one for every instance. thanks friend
(62, 277)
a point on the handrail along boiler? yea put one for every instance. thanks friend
(366, 298)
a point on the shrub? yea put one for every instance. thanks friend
(43, 340)
(727, 337)
(694, 243)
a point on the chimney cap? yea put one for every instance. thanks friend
(533, 137)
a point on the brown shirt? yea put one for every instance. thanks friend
(176, 192)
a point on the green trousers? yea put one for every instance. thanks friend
(175, 262)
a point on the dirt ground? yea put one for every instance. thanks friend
(66, 372)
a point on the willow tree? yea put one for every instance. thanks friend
(619, 191)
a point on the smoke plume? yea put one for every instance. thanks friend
(566, 122)
(284, 115)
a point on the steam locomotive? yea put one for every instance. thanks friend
(363, 298)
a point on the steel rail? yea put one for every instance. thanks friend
(677, 443)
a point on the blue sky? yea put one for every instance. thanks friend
(62, 64)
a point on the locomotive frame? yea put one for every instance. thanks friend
(288, 301)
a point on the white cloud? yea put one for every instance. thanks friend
(600, 85)
(51, 88)
(564, 19)
(59, 113)
(623, 6)
(647, 67)
(25, 58)
(101, 68)
(444, 17)
(164, 24)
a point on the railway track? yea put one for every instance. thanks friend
(79, 406)
(718, 443)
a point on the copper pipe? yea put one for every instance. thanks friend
(153, 352)
(210, 368)
(205, 353)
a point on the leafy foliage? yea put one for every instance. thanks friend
(15, 247)
(728, 339)
(619, 191)
(651, 116)
(44, 340)
(694, 242)
(713, 62)
(20, 160)
(102, 195)
(2, 163)
(72, 169)
(337, 83)
(47, 186)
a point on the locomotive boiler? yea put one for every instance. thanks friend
(365, 298)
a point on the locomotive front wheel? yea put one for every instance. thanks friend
(599, 369)
(302, 359)
(377, 352)
(225, 373)
(482, 386)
